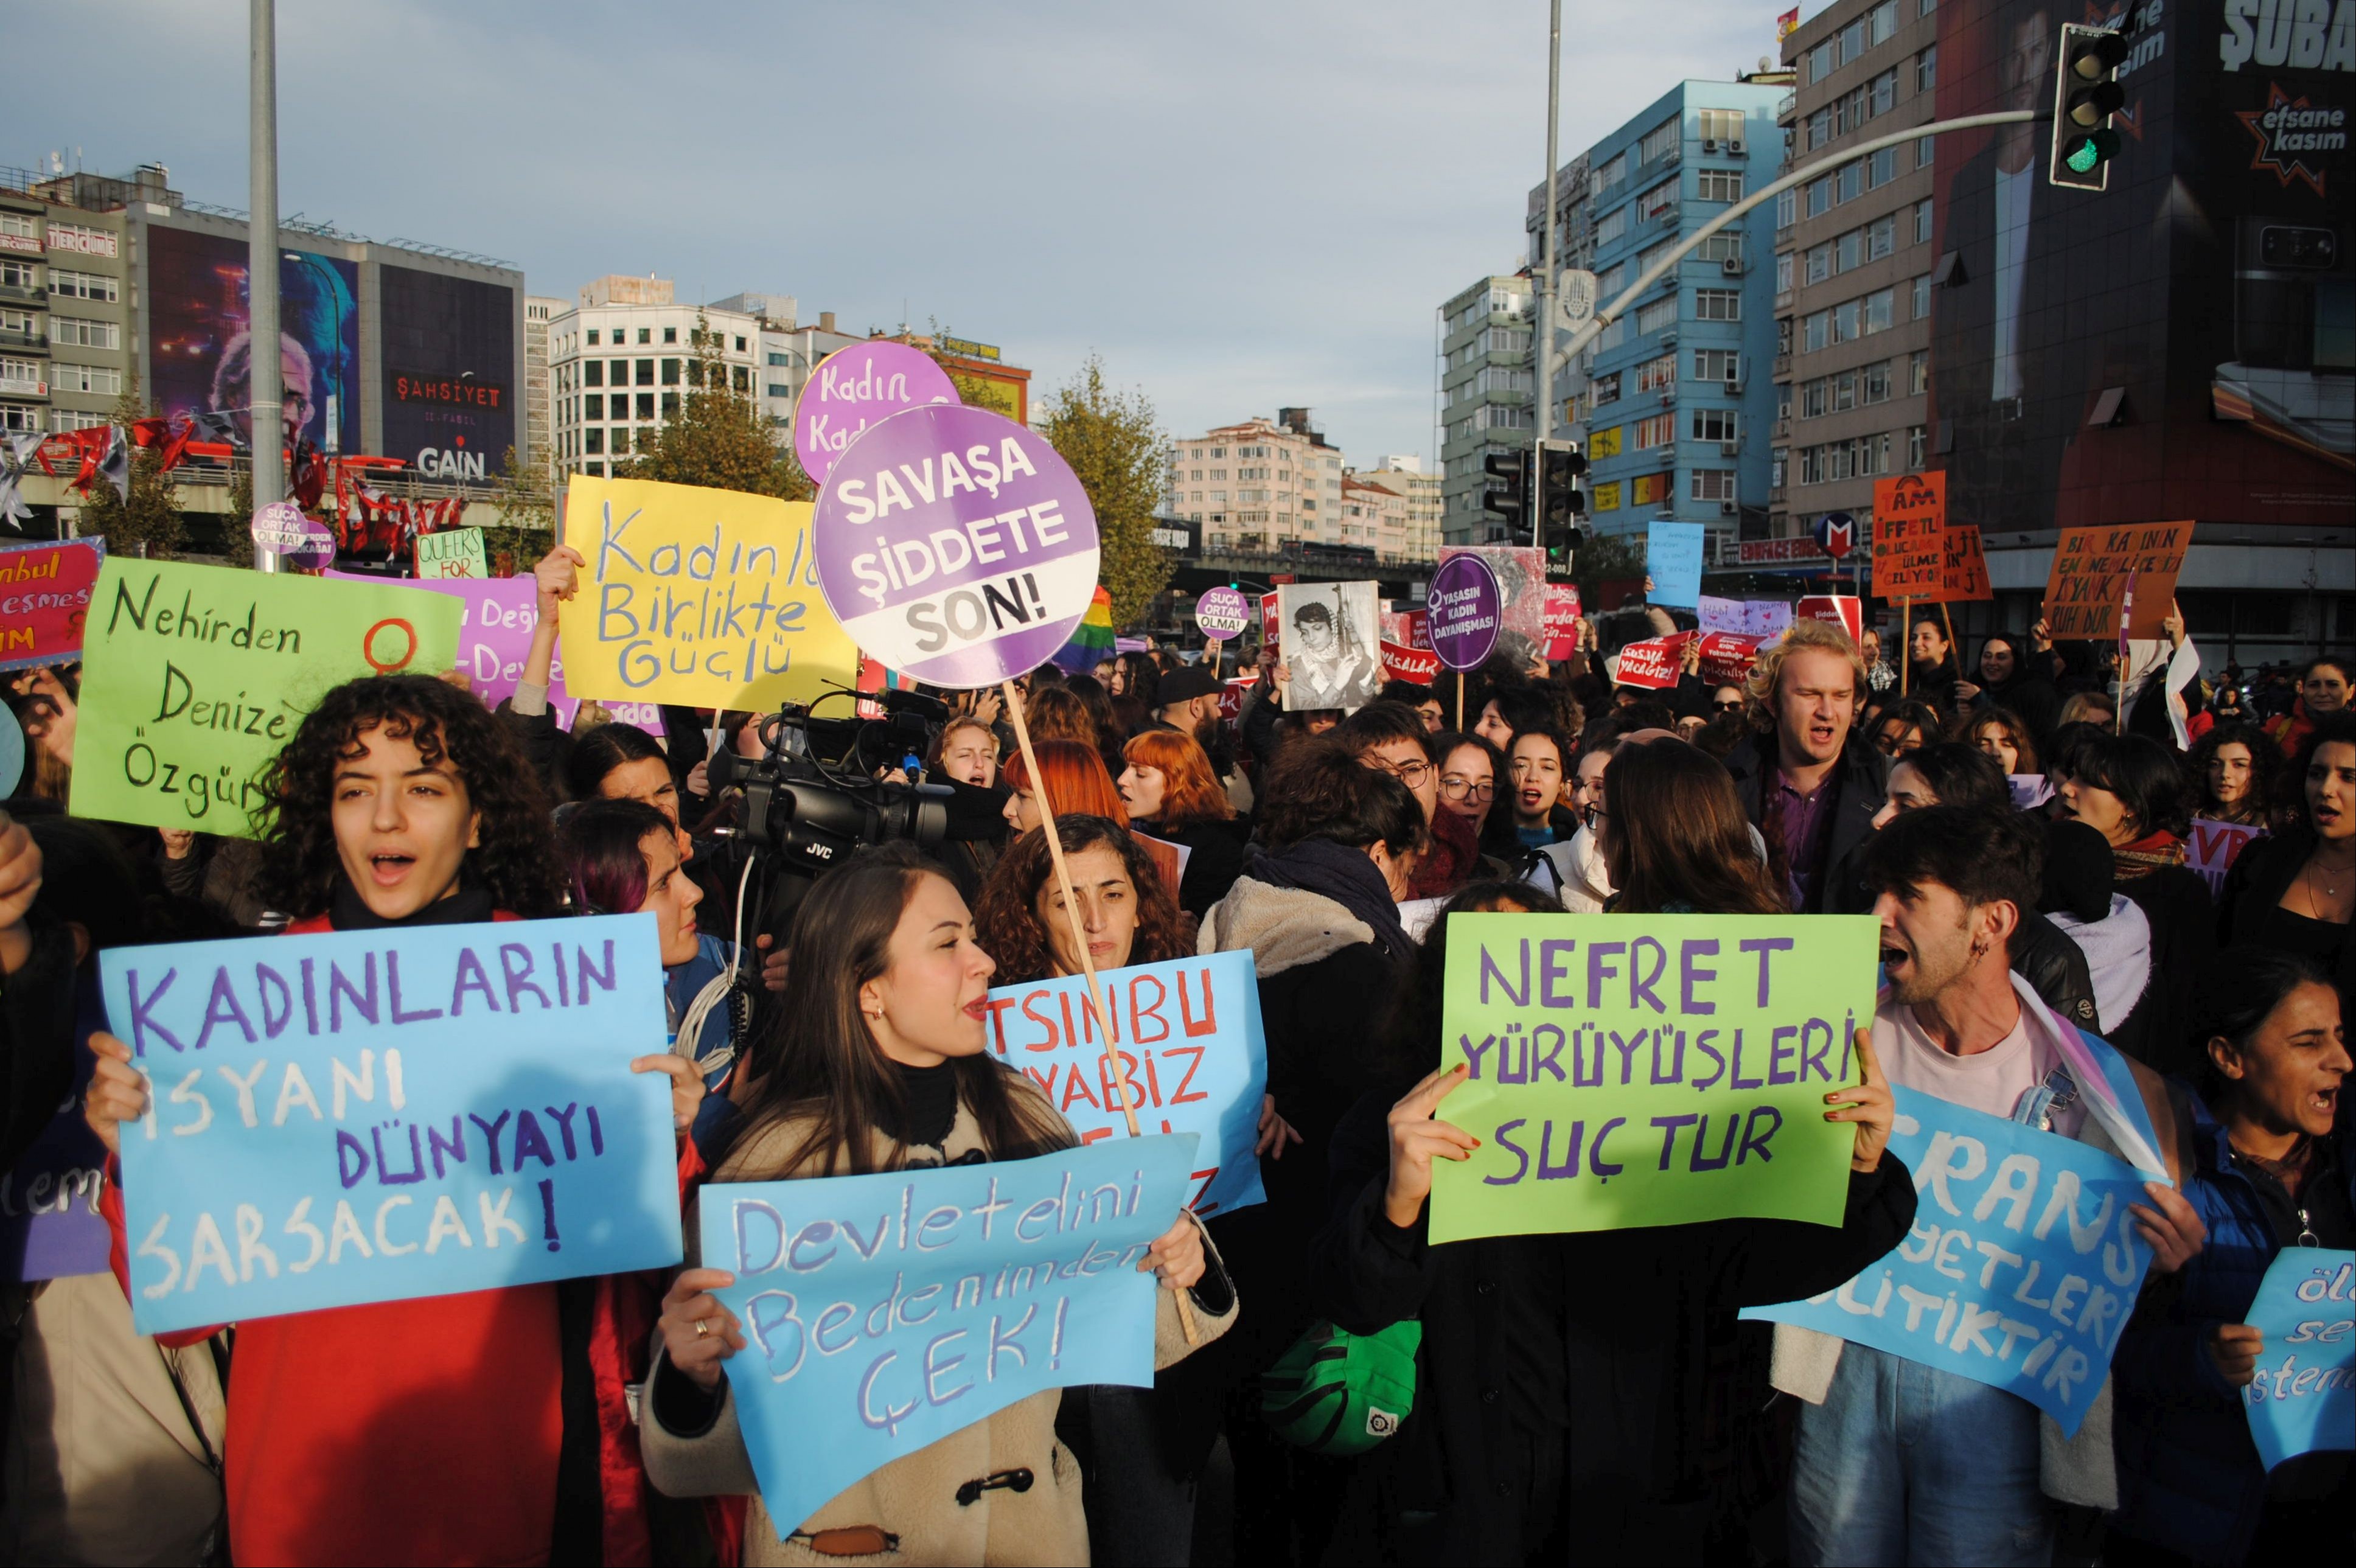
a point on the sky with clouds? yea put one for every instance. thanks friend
(1236, 206)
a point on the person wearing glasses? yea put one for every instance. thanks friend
(1469, 767)
(1391, 737)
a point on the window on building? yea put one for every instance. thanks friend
(670, 333)
(1922, 311)
(1880, 307)
(1713, 425)
(1605, 389)
(671, 372)
(622, 440)
(647, 405)
(1881, 168)
(1659, 430)
(1726, 247)
(1613, 225)
(20, 275)
(1657, 317)
(1820, 63)
(1880, 237)
(1787, 208)
(593, 441)
(1849, 182)
(1922, 151)
(1926, 69)
(1816, 332)
(1852, 40)
(1610, 281)
(1881, 23)
(1918, 373)
(1660, 140)
(71, 331)
(1922, 221)
(1716, 365)
(620, 373)
(593, 337)
(84, 285)
(21, 418)
(1816, 397)
(1720, 125)
(1820, 261)
(1917, 441)
(1657, 375)
(1718, 305)
(593, 406)
(1820, 128)
(1845, 317)
(1720, 185)
(1849, 250)
(740, 345)
(1711, 484)
(1784, 272)
(20, 226)
(645, 334)
(645, 372)
(1820, 196)
(593, 372)
(1606, 177)
(1658, 202)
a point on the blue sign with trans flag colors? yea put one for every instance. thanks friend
(882, 1313)
(375, 1115)
(2303, 1398)
(2021, 1271)
(1188, 1035)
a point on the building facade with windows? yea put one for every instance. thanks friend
(1420, 493)
(1674, 396)
(1486, 397)
(1854, 260)
(1262, 484)
(537, 312)
(619, 362)
(67, 344)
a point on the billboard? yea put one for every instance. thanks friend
(2182, 344)
(196, 295)
(449, 373)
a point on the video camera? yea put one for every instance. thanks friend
(807, 812)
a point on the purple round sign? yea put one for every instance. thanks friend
(955, 545)
(1222, 613)
(282, 529)
(856, 388)
(1464, 609)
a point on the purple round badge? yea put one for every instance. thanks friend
(1222, 613)
(955, 545)
(1464, 609)
(856, 388)
(282, 529)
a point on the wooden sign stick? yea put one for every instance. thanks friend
(1460, 701)
(1080, 946)
(1905, 643)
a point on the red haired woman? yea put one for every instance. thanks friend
(1173, 795)
(1075, 782)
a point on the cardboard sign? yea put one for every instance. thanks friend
(1222, 614)
(1521, 593)
(1654, 664)
(282, 529)
(1333, 648)
(2092, 570)
(1408, 629)
(2303, 1399)
(1673, 559)
(495, 637)
(857, 387)
(453, 552)
(1562, 613)
(1189, 1037)
(2212, 847)
(194, 678)
(2022, 1267)
(1419, 665)
(1232, 693)
(1766, 620)
(882, 1313)
(45, 592)
(1726, 658)
(51, 1226)
(1269, 624)
(1722, 614)
(1842, 610)
(1463, 611)
(955, 545)
(1651, 1069)
(1964, 578)
(708, 598)
(1910, 552)
(375, 1115)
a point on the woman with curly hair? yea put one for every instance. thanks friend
(402, 801)
(2234, 767)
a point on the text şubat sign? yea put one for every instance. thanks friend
(703, 597)
(1188, 1033)
(1651, 1069)
(2021, 1271)
(361, 1116)
(194, 679)
(883, 1312)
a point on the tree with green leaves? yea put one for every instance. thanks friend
(1606, 558)
(719, 438)
(525, 496)
(147, 520)
(1118, 451)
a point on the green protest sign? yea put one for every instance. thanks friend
(194, 678)
(1649, 1069)
(453, 552)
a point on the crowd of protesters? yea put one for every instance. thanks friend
(2018, 825)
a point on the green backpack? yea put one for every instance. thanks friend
(1339, 1392)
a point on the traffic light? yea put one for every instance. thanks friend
(2086, 94)
(1561, 503)
(1513, 502)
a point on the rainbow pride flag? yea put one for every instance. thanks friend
(1092, 639)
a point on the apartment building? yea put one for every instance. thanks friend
(1261, 484)
(618, 363)
(66, 340)
(537, 402)
(1854, 260)
(1485, 389)
(1674, 401)
(1420, 494)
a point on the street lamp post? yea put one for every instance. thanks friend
(264, 374)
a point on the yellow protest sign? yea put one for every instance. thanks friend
(706, 598)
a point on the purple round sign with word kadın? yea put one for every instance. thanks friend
(853, 390)
(1222, 613)
(1464, 609)
(956, 546)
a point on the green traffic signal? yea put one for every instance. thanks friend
(2086, 94)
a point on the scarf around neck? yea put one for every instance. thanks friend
(347, 911)
(2151, 852)
(1344, 875)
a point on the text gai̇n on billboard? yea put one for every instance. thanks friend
(955, 545)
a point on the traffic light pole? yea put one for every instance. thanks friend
(1542, 332)
(1612, 312)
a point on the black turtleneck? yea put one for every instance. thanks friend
(347, 911)
(930, 1094)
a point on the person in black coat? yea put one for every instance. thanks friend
(1806, 780)
(2007, 680)
(1563, 1381)
(2294, 891)
(36, 1000)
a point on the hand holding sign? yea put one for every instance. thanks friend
(698, 1331)
(1868, 1103)
(1419, 1137)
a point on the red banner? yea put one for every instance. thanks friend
(45, 592)
(1654, 663)
(1419, 665)
(1726, 657)
(1231, 696)
(1839, 610)
(1561, 620)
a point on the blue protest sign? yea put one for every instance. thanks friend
(2021, 1271)
(956, 1292)
(361, 1116)
(1188, 1034)
(2303, 1399)
(50, 1224)
(1673, 559)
